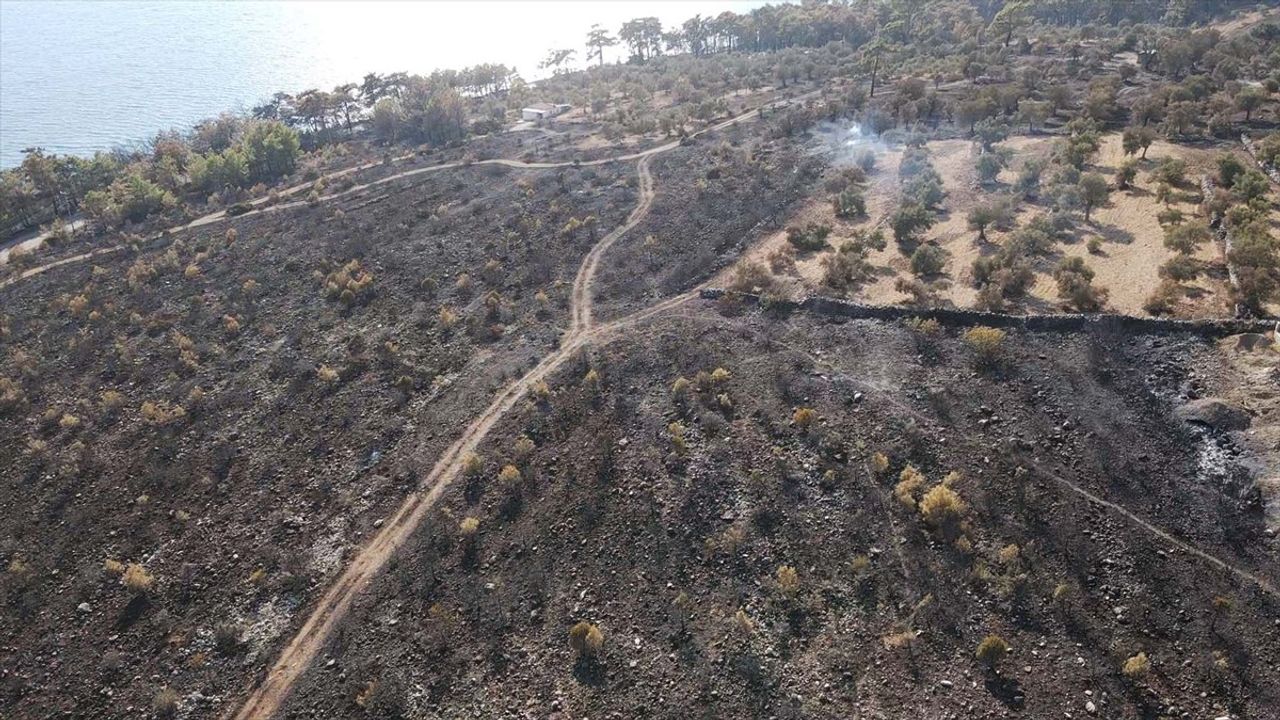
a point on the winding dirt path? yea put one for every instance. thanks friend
(580, 303)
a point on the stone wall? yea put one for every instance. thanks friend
(1064, 322)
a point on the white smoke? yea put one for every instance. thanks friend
(846, 141)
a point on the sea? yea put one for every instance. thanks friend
(78, 77)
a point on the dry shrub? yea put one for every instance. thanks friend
(112, 402)
(161, 413)
(942, 507)
(681, 388)
(751, 277)
(804, 418)
(472, 465)
(231, 324)
(165, 704)
(226, 637)
(729, 540)
(788, 580)
(139, 274)
(78, 305)
(541, 391)
(11, 395)
(1137, 666)
(910, 480)
(586, 639)
(187, 355)
(20, 257)
(468, 527)
(327, 375)
(349, 283)
(925, 326)
(192, 272)
(991, 650)
(463, 285)
(879, 462)
(523, 447)
(986, 342)
(900, 640)
(1164, 299)
(137, 579)
(509, 475)
(676, 432)
(113, 567)
(448, 318)
(68, 421)
(783, 260)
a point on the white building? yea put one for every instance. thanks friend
(542, 111)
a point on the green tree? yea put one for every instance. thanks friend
(388, 119)
(1125, 174)
(1009, 18)
(597, 40)
(643, 36)
(909, 222)
(986, 214)
(1093, 192)
(989, 166)
(557, 58)
(1250, 98)
(1251, 186)
(136, 197)
(1184, 238)
(1229, 168)
(1257, 264)
(271, 150)
(928, 259)
(1075, 285)
(1032, 113)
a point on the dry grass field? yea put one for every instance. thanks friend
(1131, 238)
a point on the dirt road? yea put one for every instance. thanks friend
(580, 304)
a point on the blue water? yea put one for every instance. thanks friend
(76, 77)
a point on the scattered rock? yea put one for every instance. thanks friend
(1216, 413)
(1248, 342)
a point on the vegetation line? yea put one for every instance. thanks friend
(821, 305)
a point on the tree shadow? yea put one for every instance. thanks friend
(589, 671)
(1005, 689)
(1113, 234)
(132, 612)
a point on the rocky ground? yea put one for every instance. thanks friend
(741, 559)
